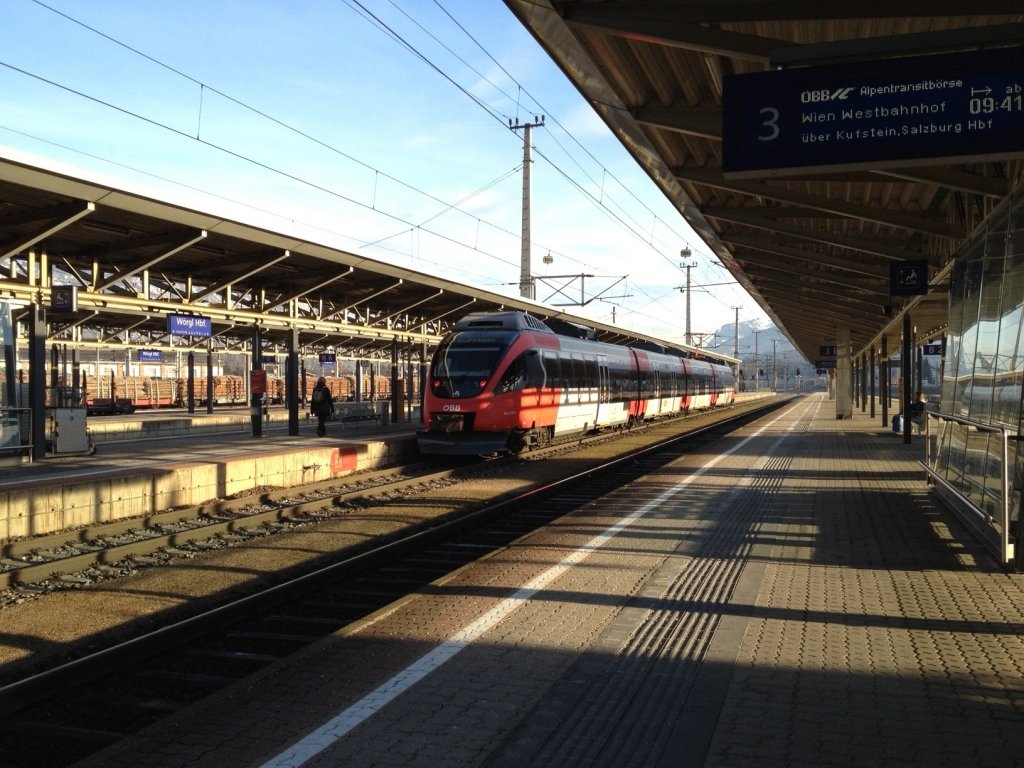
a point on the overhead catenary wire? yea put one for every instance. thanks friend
(606, 204)
(447, 206)
(374, 19)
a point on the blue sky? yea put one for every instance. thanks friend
(378, 126)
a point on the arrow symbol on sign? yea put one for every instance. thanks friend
(986, 90)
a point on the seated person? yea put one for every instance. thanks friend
(917, 410)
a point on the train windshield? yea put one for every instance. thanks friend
(466, 360)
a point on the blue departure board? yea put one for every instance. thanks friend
(951, 107)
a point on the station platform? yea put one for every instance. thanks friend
(796, 597)
(152, 461)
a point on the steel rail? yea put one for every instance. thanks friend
(286, 509)
(36, 688)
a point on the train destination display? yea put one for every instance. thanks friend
(951, 107)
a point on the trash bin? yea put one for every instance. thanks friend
(897, 422)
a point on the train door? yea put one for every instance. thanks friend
(686, 385)
(636, 396)
(603, 388)
(657, 394)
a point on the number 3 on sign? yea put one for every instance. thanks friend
(769, 125)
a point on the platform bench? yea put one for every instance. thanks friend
(355, 412)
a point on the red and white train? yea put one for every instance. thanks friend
(505, 381)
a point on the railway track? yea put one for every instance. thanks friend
(73, 559)
(102, 551)
(57, 717)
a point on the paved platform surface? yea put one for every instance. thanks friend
(797, 598)
(167, 436)
(153, 462)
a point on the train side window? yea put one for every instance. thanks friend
(552, 369)
(564, 371)
(579, 371)
(627, 384)
(514, 377)
(535, 377)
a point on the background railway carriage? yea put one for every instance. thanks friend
(723, 391)
(504, 381)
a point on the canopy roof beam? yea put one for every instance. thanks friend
(63, 216)
(260, 266)
(144, 265)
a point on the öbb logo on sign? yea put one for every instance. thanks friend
(811, 97)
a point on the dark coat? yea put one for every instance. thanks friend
(326, 405)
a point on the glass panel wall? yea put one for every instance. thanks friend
(984, 366)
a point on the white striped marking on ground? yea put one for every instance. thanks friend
(338, 726)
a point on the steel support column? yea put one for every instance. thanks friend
(863, 383)
(209, 377)
(190, 381)
(906, 372)
(395, 413)
(37, 379)
(423, 380)
(884, 380)
(291, 382)
(844, 377)
(871, 376)
(256, 401)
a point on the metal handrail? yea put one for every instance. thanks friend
(1005, 552)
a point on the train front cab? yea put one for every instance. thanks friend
(466, 411)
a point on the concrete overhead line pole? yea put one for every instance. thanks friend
(685, 253)
(736, 339)
(757, 362)
(775, 376)
(526, 287)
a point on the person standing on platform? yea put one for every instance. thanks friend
(321, 405)
(917, 411)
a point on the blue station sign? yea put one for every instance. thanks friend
(189, 325)
(952, 107)
(151, 356)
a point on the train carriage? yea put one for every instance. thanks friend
(504, 381)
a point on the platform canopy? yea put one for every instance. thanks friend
(757, 119)
(139, 272)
